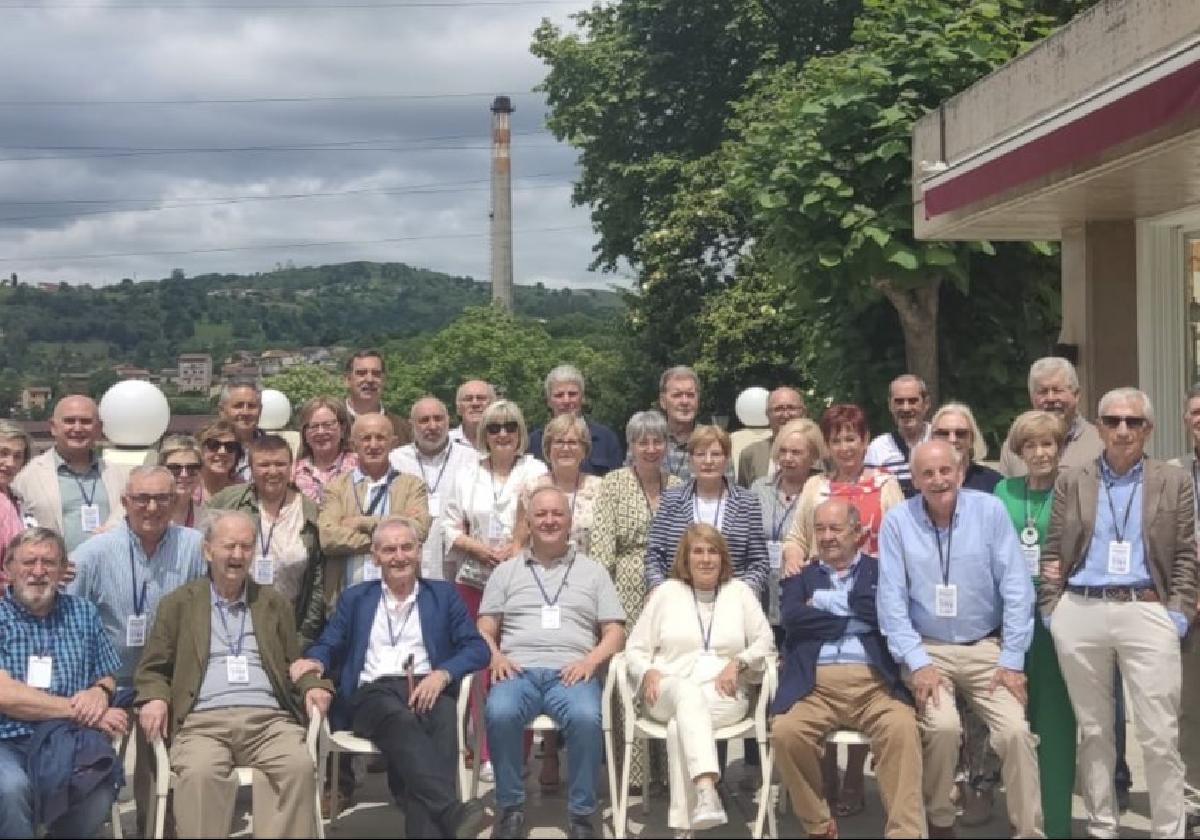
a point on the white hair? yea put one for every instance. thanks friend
(564, 373)
(1049, 367)
(1127, 395)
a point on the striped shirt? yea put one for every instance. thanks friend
(71, 635)
(107, 566)
(741, 523)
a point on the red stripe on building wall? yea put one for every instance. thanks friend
(1138, 112)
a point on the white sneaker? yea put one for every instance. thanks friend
(708, 812)
(486, 773)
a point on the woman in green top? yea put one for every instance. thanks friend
(1037, 437)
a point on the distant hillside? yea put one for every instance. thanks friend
(48, 330)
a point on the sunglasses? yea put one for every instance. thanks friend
(183, 469)
(952, 433)
(1114, 421)
(223, 446)
(496, 428)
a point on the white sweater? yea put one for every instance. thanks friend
(667, 636)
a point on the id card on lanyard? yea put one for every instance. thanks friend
(237, 666)
(263, 569)
(1120, 550)
(89, 511)
(945, 594)
(135, 625)
(551, 612)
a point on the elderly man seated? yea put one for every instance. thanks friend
(214, 677)
(552, 618)
(56, 669)
(837, 672)
(400, 647)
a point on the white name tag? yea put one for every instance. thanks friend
(89, 518)
(551, 617)
(263, 571)
(1033, 558)
(1120, 557)
(495, 531)
(945, 600)
(39, 672)
(135, 631)
(435, 504)
(775, 553)
(237, 670)
(371, 570)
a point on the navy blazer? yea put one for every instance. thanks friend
(449, 635)
(808, 628)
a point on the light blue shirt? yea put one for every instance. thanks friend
(1126, 494)
(104, 577)
(847, 650)
(985, 563)
(76, 490)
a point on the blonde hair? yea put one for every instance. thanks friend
(1036, 424)
(808, 430)
(560, 426)
(503, 411)
(978, 445)
(705, 435)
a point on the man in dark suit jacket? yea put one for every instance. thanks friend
(837, 672)
(399, 648)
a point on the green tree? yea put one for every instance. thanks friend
(303, 382)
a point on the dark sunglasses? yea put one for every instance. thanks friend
(1113, 421)
(223, 446)
(951, 433)
(183, 469)
(496, 428)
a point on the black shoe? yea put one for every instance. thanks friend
(511, 825)
(580, 828)
(466, 821)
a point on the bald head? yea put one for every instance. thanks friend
(75, 427)
(372, 438)
(937, 474)
(784, 404)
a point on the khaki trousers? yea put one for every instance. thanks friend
(968, 669)
(211, 744)
(1092, 636)
(852, 696)
(691, 712)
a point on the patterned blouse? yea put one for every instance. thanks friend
(622, 520)
(312, 481)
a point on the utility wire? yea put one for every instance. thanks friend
(395, 138)
(259, 100)
(236, 4)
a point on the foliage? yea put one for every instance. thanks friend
(303, 382)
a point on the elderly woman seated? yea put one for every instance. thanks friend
(701, 639)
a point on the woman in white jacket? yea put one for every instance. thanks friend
(701, 640)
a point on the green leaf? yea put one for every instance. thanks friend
(903, 257)
(829, 259)
(940, 255)
(881, 236)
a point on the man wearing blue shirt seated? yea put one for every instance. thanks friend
(1119, 587)
(956, 603)
(837, 672)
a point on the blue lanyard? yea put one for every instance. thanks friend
(538, 580)
(139, 604)
(393, 636)
(438, 481)
(234, 650)
(377, 495)
(87, 500)
(706, 633)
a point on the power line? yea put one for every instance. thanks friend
(260, 100)
(330, 243)
(258, 6)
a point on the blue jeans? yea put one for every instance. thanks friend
(16, 800)
(513, 703)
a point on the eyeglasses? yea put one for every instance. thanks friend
(565, 444)
(947, 434)
(183, 469)
(326, 426)
(1114, 421)
(510, 426)
(144, 499)
(215, 446)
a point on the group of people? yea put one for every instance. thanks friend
(218, 596)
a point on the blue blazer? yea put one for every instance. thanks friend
(808, 628)
(450, 638)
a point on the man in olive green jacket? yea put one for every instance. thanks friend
(214, 677)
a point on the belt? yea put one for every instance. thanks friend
(1146, 594)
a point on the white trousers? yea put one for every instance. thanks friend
(1092, 636)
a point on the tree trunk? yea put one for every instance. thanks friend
(918, 311)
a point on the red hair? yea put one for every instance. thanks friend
(841, 416)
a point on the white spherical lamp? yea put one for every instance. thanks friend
(751, 407)
(276, 410)
(134, 413)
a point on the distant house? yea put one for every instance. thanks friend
(74, 383)
(195, 373)
(239, 372)
(131, 372)
(316, 355)
(35, 397)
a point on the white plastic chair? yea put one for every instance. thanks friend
(164, 778)
(120, 745)
(642, 728)
(836, 739)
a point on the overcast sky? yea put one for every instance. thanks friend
(418, 167)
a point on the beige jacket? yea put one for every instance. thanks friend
(37, 485)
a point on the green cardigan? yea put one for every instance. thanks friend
(310, 605)
(175, 658)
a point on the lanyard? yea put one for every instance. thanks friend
(233, 650)
(394, 636)
(716, 523)
(538, 580)
(706, 633)
(1108, 485)
(777, 524)
(944, 559)
(377, 494)
(492, 481)
(139, 604)
(87, 499)
(445, 460)
(265, 545)
(1031, 521)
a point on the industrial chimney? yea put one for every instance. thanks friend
(502, 248)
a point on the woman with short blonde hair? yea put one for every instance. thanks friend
(16, 448)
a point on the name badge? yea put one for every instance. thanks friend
(775, 553)
(551, 617)
(39, 672)
(945, 600)
(135, 631)
(237, 670)
(1033, 558)
(263, 571)
(89, 518)
(435, 504)
(1120, 557)
(371, 570)
(495, 531)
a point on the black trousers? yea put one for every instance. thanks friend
(420, 750)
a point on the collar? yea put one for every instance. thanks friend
(1076, 428)
(389, 600)
(919, 501)
(137, 541)
(60, 464)
(566, 558)
(353, 414)
(358, 475)
(23, 613)
(1134, 473)
(217, 600)
(834, 573)
(444, 452)
(689, 488)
